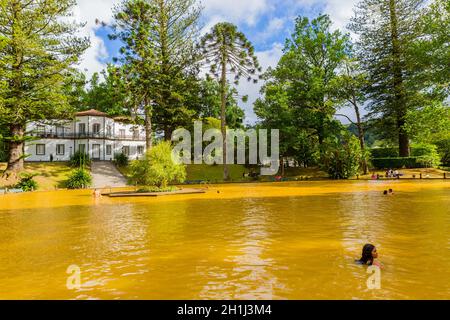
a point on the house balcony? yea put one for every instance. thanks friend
(90, 135)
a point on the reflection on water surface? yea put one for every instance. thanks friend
(269, 241)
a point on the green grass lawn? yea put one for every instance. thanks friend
(50, 175)
(214, 173)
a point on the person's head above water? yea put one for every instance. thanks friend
(369, 253)
(385, 192)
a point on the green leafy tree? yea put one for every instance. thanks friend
(210, 103)
(387, 31)
(308, 69)
(133, 21)
(158, 37)
(157, 168)
(227, 51)
(342, 156)
(350, 88)
(108, 92)
(430, 51)
(275, 112)
(38, 50)
(429, 124)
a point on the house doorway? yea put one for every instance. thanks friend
(95, 152)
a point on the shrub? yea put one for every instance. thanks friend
(27, 182)
(121, 159)
(444, 152)
(384, 152)
(341, 157)
(395, 163)
(427, 155)
(80, 159)
(79, 179)
(157, 168)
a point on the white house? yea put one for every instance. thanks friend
(94, 132)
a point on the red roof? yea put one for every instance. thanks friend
(92, 112)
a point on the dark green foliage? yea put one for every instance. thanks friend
(210, 104)
(27, 182)
(395, 163)
(121, 159)
(384, 152)
(341, 156)
(109, 94)
(80, 159)
(422, 155)
(444, 152)
(39, 49)
(157, 169)
(79, 179)
(396, 43)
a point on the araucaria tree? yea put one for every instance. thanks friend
(132, 25)
(387, 31)
(38, 50)
(227, 52)
(160, 54)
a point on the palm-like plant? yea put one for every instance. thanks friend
(226, 51)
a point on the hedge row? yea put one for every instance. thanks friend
(384, 152)
(393, 152)
(395, 163)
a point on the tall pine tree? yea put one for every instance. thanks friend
(38, 50)
(386, 32)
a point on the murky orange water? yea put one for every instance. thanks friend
(269, 241)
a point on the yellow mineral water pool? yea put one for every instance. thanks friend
(249, 241)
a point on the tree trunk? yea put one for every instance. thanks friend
(148, 126)
(399, 94)
(168, 134)
(16, 145)
(223, 124)
(362, 141)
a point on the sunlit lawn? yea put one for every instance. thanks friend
(49, 175)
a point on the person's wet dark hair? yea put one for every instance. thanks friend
(367, 257)
(391, 191)
(385, 192)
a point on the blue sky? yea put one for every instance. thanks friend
(266, 23)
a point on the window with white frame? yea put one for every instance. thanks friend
(140, 150)
(96, 128)
(60, 149)
(82, 148)
(126, 150)
(108, 150)
(122, 133)
(82, 128)
(40, 149)
(109, 131)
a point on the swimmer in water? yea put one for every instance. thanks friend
(97, 193)
(369, 254)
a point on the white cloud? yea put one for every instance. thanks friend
(340, 12)
(267, 59)
(87, 11)
(236, 11)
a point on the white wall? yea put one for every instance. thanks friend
(73, 145)
(50, 149)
